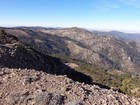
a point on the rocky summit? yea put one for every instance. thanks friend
(30, 87)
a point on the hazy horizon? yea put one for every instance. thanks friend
(103, 15)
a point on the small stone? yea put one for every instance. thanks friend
(28, 80)
(75, 103)
(6, 77)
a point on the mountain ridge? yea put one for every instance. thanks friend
(19, 55)
(104, 45)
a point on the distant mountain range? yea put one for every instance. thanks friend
(101, 49)
(117, 34)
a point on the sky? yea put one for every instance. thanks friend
(119, 15)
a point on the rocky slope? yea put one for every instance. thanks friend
(30, 87)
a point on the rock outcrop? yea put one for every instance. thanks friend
(7, 38)
(30, 87)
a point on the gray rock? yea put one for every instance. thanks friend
(20, 98)
(45, 98)
(74, 103)
(28, 79)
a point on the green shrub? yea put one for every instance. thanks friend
(2, 31)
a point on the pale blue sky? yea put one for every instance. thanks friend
(123, 15)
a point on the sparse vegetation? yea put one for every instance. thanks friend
(125, 83)
(122, 82)
(2, 32)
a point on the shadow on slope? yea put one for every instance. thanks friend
(17, 55)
